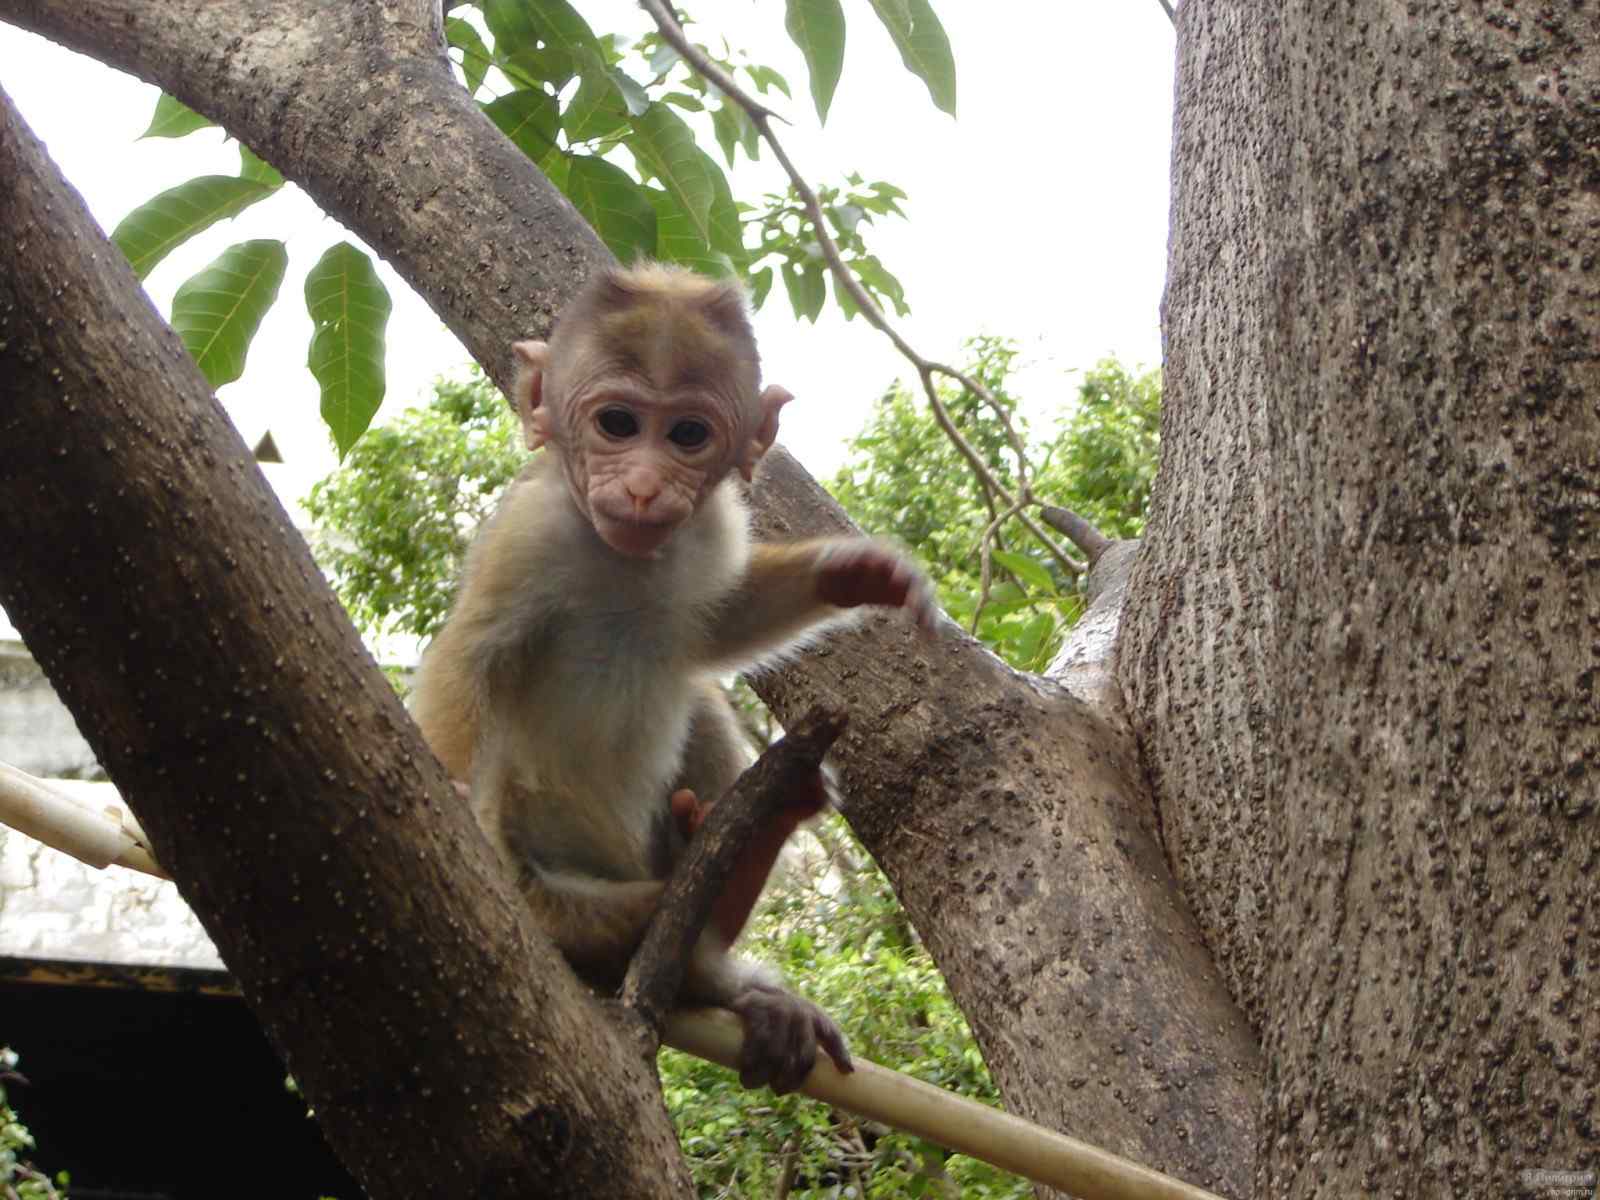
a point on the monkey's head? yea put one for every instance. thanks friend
(649, 390)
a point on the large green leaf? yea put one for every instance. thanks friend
(677, 240)
(614, 204)
(727, 231)
(218, 311)
(606, 98)
(817, 27)
(924, 48)
(173, 119)
(544, 40)
(528, 117)
(158, 226)
(666, 150)
(734, 129)
(349, 308)
(475, 56)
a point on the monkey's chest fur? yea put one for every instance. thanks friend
(594, 737)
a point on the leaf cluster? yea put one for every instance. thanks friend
(905, 480)
(395, 520)
(616, 123)
(19, 1178)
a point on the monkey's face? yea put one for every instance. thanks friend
(640, 461)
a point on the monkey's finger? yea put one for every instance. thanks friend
(687, 811)
(831, 1038)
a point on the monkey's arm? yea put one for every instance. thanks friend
(788, 589)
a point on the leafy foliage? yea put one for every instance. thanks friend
(395, 520)
(624, 145)
(906, 480)
(19, 1178)
(837, 926)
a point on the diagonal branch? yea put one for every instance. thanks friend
(654, 975)
(761, 117)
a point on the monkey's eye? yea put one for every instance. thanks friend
(690, 435)
(618, 422)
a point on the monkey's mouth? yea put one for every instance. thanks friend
(635, 539)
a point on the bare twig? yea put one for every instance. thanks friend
(761, 117)
(986, 563)
(1167, 8)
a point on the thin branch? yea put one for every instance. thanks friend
(656, 972)
(986, 560)
(1167, 8)
(760, 117)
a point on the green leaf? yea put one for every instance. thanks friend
(528, 117)
(258, 169)
(546, 40)
(218, 311)
(734, 129)
(808, 289)
(158, 226)
(605, 99)
(760, 285)
(173, 119)
(817, 27)
(614, 204)
(1028, 570)
(677, 239)
(923, 46)
(765, 78)
(475, 56)
(349, 309)
(666, 149)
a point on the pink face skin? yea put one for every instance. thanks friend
(640, 460)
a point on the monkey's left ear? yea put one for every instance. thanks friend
(533, 358)
(772, 399)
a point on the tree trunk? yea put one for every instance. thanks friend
(163, 590)
(1010, 814)
(1365, 627)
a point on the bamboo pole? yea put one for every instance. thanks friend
(102, 837)
(99, 837)
(952, 1121)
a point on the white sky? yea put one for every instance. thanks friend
(1040, 213)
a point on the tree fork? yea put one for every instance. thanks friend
(165, 594)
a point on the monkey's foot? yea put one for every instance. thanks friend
(781, 1034)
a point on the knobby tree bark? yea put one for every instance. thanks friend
(1365, 574)
(161, 586)
(1364, 633)
(1009, 814)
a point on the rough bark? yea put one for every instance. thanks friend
(1012, 818)
(1010, 815)
(1366, 624)
(162, 588)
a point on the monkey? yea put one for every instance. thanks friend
(574, 684)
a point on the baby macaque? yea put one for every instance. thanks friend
(575, 682)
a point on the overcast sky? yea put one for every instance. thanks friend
(1040, 213)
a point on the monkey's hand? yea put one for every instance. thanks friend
(781, 1034)
(854, 573)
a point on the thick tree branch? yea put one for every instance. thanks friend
(163, 590)
(953, 764)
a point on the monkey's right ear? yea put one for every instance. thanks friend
(533, 358)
